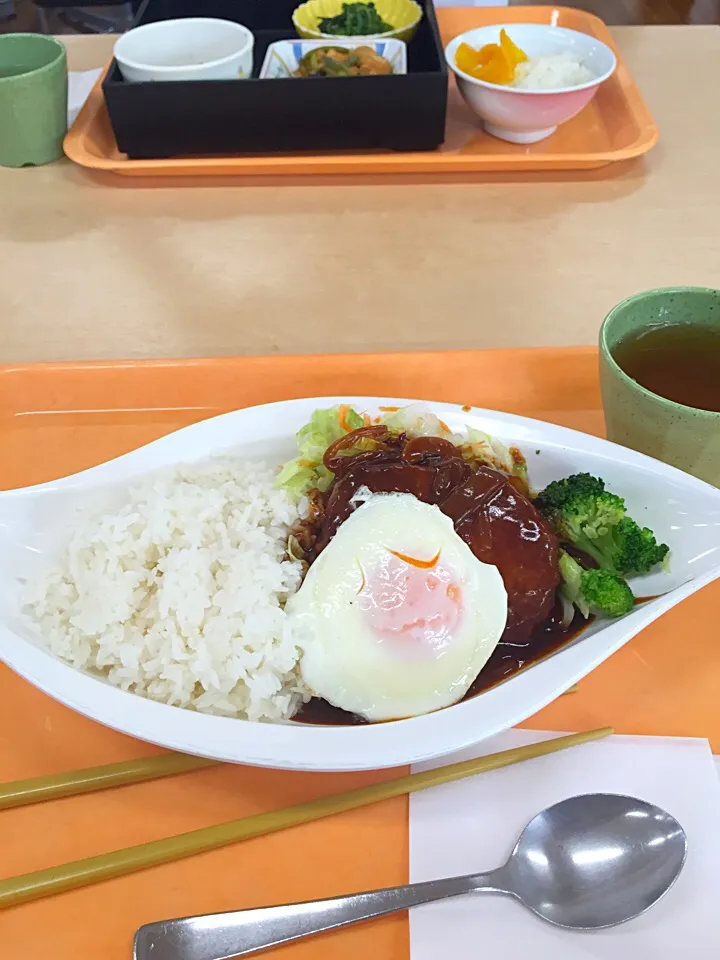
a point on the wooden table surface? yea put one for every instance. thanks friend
(103, 268)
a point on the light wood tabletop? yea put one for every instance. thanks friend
(104, 268)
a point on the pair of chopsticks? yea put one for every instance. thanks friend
(81, 873)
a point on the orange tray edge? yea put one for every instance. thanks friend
(56, 418)
(90, 142)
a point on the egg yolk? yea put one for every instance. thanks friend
(412, 604)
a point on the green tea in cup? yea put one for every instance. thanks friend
(678, 361)
(660, 377)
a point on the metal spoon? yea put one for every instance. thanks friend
(587, 862)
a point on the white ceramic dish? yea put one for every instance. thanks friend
(190, 48)
(527, 116)
(34, 522)
(283, 57)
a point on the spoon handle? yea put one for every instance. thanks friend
(224, 935)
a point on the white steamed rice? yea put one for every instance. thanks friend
(179, 595)
(551, 72)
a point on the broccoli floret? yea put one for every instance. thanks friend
(607, 593)
(587, 515)
(636, 549)
(559, 492)
(594, 591)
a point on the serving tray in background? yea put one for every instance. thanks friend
(615, 126)
(59, 418)
(191, 117)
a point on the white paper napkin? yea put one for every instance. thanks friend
(80, 83)
(472, 825)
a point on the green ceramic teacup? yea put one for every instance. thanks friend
(33, 99)
(686, 437)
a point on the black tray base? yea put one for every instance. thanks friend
(313, 115)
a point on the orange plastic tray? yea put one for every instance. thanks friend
(59, 418)
(615, 126)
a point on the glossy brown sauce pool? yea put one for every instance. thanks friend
(679, 361)
(511, 655)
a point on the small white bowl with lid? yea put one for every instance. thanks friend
(191, 48)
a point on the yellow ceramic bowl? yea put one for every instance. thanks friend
(404, 15)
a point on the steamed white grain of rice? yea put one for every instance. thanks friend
(552, 72)
(179, 595)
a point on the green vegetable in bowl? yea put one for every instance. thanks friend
(356, 20)
(595, 521)
(325, 61)
(594, 591)
(339, 62)
(306, 471)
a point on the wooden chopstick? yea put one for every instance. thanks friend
(21, 793)
(57, 785)
(80, 873)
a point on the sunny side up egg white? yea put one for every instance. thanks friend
(397, 616)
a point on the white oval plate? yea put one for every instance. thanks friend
(34, 522)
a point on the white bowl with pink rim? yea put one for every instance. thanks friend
(521, 115)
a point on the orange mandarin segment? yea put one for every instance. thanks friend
(513, 53)
(466, 58)
(497, 71)
(488, 53)
(494, 63)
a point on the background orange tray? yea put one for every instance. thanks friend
(59, 418)
(615, 126)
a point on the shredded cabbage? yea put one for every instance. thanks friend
(307, 472)
(417, 421)
(481, 446)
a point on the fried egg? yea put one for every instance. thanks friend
(397, 616)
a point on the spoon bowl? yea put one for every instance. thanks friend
(596, 860)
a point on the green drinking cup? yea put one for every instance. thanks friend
(33, 99)
(683, 436)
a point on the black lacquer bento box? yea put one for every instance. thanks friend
(214, 117)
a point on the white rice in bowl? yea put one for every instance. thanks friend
(552, 72)
(179, 595)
